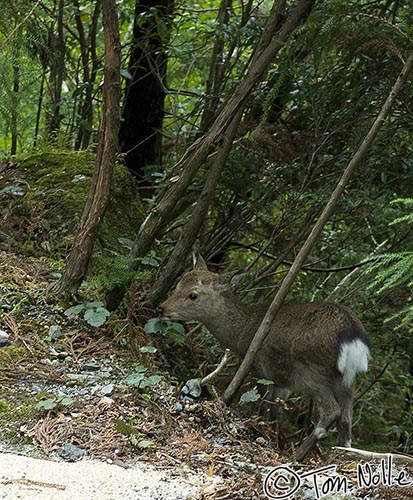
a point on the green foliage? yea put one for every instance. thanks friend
(139, 379)
(111, 271)
(170, 329)
(52, 403)
(395, 269)
(250, 396)
(4, 406)
(93, 312)
(115, 269)
(129, 430)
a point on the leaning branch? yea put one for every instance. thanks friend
(196, 154)
(265, 327)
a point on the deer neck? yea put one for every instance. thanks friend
(233, 324)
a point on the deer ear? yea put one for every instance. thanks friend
(198, 262)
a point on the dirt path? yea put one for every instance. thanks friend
(24, 478)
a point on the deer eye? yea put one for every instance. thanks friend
(193, 296)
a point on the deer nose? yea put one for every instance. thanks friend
(159, 311)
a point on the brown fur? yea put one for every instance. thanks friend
(300, 354)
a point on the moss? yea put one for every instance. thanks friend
(16, 410)
(58, 185)
(11, 353)
(4, 406)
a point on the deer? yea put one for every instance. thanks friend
(314, 348)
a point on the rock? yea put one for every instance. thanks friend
(4, 339)
(107, 390)
(91, 366)
(260, 440)
(70, 452)
(179, 407)
(4, 335)
(81, 378)
(55, 332)
(192, 388)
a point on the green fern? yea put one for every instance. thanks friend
(112, 271)
(395, 270)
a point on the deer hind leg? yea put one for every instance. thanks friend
(328, 411)
(344, 396)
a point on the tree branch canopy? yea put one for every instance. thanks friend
(265, 327)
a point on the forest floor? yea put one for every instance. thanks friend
(82, 416)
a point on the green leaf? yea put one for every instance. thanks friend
(96, 317)
(126, 242)
(74, 310)
(145, 443)
(134, 379)
(46, 404)
(176, 327)
(140, 369)
(150, 261)
(67, 401)
(250, 396)
(264, 381)
(94, 304)
(150, 381)
(125, 73)
(150, 349)
(125, 428)
(154, 325)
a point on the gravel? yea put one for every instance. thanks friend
(25, 478)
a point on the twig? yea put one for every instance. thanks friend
(18, 26)
(29, 482)
(11, 323)
(225, 358)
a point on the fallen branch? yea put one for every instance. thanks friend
(357, 454)
(224, 361)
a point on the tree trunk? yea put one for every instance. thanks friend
(190, 232)
(265, 326)
(58, 51)
(15, 100)
(196, 154)
(39, 108)
(89, 70)
(217, 67)
(78, 260)
(140, 138)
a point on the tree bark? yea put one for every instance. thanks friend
(196, 154)
(78, 260)
(217, 67)
(190, 232)
(140, 136)
(265, 326)
(58, 51)
(87, 45)
(15, 100)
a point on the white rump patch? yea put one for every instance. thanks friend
(353, 359)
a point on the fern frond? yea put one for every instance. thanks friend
(404, 318)
(393, 269)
